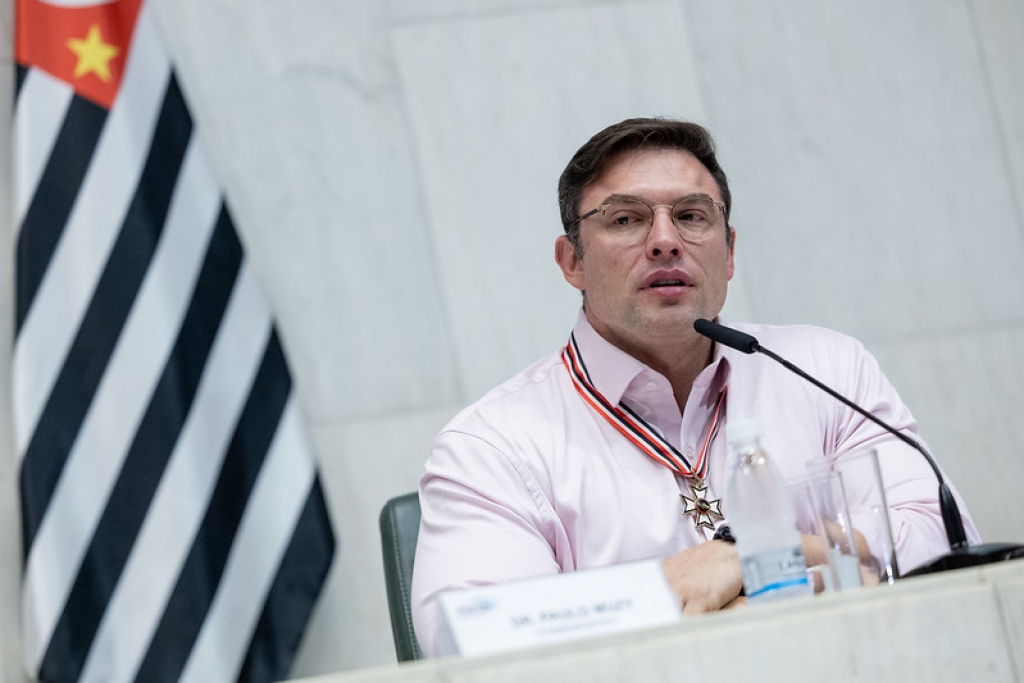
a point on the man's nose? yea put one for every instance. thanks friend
(664, 237)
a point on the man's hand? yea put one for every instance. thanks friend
(816, 554)
(705, 577)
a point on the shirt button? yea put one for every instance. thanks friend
(651, 386)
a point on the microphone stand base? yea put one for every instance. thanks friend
(972, 556)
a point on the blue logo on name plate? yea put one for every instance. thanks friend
(477, 606)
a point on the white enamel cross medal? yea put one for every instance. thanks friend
(702, 509)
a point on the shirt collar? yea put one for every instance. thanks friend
(612, 370)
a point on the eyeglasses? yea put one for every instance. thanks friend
(695, 215)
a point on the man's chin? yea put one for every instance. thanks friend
(678, 325)
(677, 315)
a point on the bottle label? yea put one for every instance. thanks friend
(775, 573)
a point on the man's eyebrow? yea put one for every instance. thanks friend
(621, 197)
(637, 198)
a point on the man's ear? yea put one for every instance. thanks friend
(732, 251)
(569, 261)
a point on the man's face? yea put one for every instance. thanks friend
(645, 287)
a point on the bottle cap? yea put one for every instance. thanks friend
(742, 431)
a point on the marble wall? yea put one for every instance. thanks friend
(392, 168)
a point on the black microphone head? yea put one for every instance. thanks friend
(734, 339)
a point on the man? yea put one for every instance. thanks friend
(540, 477)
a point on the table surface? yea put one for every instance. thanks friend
(960, 625)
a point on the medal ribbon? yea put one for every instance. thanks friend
(635, 428)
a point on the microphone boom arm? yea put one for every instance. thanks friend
(953, 523)
(741, 341)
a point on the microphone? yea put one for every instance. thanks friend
(963, 554)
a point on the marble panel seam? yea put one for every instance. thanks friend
(998, 122)
(390, 414)
(448, 316)
(522, 9)
(947, 333)
(1008, 630)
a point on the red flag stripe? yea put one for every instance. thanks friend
(45, 35)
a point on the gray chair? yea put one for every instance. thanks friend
(399, 529)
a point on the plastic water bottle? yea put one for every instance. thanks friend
(763, 520)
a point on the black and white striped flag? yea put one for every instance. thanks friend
(173, 521)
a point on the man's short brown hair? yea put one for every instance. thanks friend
(591, 160)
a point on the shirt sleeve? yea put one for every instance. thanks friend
(484, 519)
(911, 487)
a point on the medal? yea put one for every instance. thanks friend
(700, 507)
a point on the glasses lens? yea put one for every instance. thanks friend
(696, 213)
(628, 213)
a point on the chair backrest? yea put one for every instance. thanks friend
(399, 529)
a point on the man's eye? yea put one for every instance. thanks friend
(692, 217)
(625, 219)
(627, 214)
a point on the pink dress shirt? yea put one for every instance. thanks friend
(530, 480)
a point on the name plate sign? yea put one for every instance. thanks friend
(557, 608)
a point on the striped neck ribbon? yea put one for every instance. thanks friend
(637, 430)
